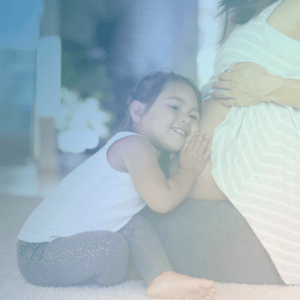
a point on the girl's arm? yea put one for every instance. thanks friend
(249, 84)
(174, 165)
(161, 194)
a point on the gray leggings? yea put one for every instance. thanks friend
(211, 239)
(99, 255)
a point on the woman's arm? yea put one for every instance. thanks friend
(249, 84)
(288, 94)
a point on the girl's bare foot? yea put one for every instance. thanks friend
(178, 286)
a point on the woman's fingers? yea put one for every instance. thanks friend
(226, 76)
(241, 87)
(222, 94)
(221, 85)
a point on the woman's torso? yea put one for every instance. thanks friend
(273, 45)
(256, 149)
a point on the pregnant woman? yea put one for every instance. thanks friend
(255, 160)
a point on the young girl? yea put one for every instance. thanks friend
(88, 225)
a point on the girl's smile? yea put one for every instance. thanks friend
(180, 131)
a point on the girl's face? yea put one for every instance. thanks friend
(172, 119)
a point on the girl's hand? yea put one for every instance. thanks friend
(247, 84)
(194, 154)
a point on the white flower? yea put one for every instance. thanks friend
(77, 141)
(81, 122)
(68, 97)
(102, 131)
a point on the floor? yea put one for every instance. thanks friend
(26, 180)
(14, 211)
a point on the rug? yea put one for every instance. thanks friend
(15, 210)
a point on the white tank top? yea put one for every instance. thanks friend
(92, 197)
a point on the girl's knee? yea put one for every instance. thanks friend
(121, 247)
(115, 243)
(106, 239)
(117, 252)
(137, 228)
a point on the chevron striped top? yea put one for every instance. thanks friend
(256, 149)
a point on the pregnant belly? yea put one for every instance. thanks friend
(205, 188)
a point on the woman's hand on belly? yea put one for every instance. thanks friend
(205, 188)
(249, 84)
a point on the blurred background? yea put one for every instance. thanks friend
(67, 66)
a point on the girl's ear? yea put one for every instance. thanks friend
(137, 110)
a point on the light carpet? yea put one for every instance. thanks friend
(13, 213)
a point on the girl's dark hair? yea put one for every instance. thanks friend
(241, 11)
(147, 91)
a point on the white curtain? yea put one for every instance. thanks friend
(210, 32)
